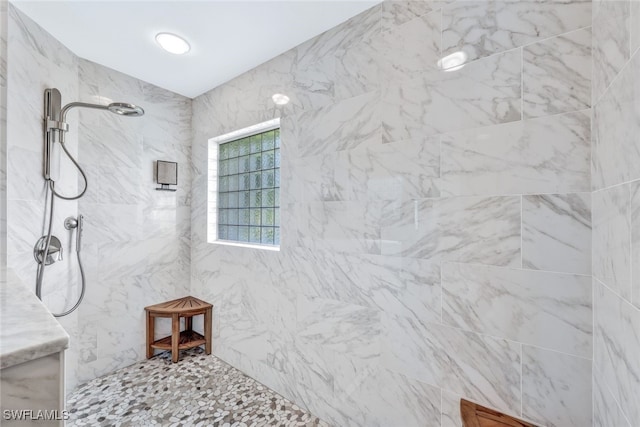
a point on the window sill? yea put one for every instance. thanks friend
(246, 245)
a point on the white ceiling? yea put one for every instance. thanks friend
(227, 38)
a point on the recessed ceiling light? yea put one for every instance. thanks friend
(280, 99)
(172, 43)
(453, 62)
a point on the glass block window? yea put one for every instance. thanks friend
(249, 189)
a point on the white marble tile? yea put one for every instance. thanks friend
(27, 35)
(481, 93)
(348, 124)
(616, 349)
(339, 226)
(467, 229)
(556, 232)
(313, 369)
(397, 12)
(103, 366)
(357, 69)
(118, 184)
(394, 171)
(360, 27)
(556, 388)
(549, 310)
(612, 239)
(484, 369)
(24, 225)
(309, 81)
(399, 286)
(616, 148)
(610, 42)
(314, 178)
(340, 327)
(557, 74)
(407, 50)
(105, 143)
(102, 85)
(635, 243)
(482, 28)
(606, 411)
(387, 398)
(24, 170)
(450, 410)
(542, 155)
(634, 26)
(111, 222)
(124, 259)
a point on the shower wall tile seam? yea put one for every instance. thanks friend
(502, 338)
(513, 268)
(617, 295)
(615, 399)
(523, 46)
(620, 72)
(615, 186)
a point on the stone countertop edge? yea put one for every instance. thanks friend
(28, 330)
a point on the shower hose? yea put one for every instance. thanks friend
(50, 195)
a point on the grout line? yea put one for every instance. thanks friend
(521, 83)
(441, 295)
(624, 300)
(617, 77)
(615, 399)
(630, 213)
(611, 187)
(527, 44)
(514, 341)
(556, 351)
(521, 232)
(521, 381)
(441, 405)
(506, 267)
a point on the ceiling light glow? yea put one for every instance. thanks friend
(172, 43)
(280, 99)
(453, 62)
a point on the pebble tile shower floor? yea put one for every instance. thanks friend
(200, 390)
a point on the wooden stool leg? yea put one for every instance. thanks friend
(175, 337)
(150, 334)
(207, 331)
(188, 323)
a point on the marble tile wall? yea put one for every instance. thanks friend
(436, 238)
(3, 133)
(616, 214)
(136, 238)
(136, 241)
(37, 61)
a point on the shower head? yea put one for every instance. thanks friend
(125, 109)
(119, 108)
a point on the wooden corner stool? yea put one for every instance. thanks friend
(474, 415)
(186, 307)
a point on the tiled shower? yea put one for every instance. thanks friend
(467, 234)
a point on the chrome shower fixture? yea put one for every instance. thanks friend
(55, 128)
(55, 120)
